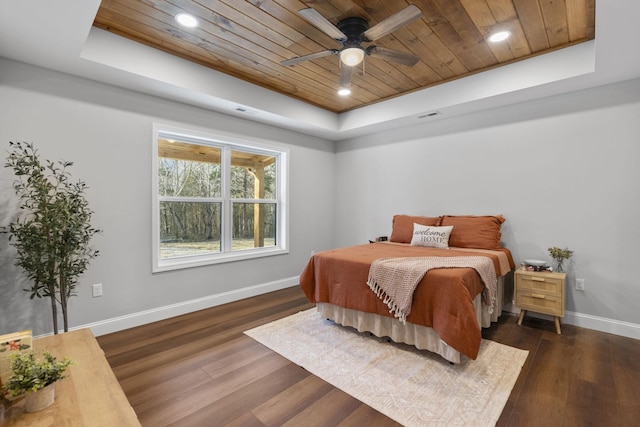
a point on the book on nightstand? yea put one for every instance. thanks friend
(11, 344)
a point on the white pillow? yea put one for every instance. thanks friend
(430, 236)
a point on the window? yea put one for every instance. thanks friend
(216, 199)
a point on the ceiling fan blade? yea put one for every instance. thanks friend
(393, 55)
(309, 57)
(392, 23)
(346, 73)
(322, 23)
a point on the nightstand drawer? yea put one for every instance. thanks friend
(541, 303)
(540, 284)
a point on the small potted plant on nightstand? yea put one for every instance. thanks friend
(559, 255)
(35, 378)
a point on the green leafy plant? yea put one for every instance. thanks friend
(53, 230)
(559, 255)
(32, 374)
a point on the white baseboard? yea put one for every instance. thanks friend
(143, 317)
(611, 326)
(602, 324)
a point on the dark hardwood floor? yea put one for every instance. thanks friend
(201, 370)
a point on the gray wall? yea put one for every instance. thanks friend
(562, 170)
(107, 133)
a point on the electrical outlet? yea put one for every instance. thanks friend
(580, 284)
(97, 290)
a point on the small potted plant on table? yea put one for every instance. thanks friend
(35, 378)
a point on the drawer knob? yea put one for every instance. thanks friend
(539, 296)
(537, 279)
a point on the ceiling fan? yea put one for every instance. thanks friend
(351, 33)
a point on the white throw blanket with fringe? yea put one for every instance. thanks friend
(395, 279)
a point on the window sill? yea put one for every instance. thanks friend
(199, 261)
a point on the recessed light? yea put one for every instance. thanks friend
(343, 91)
(499, 36)
(187, 20)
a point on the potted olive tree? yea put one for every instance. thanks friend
(35, 379)
(53, 229)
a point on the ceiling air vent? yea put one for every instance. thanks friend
(431, 114)
(245, 110)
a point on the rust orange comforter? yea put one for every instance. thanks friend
(443, 300)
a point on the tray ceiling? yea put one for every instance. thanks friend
(249, 39)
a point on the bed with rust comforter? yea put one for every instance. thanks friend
(443, 300)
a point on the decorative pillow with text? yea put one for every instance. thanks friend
(431, 236)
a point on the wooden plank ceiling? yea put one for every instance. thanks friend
(248, 39)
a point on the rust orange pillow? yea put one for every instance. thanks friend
(480, 232)
(402, 230)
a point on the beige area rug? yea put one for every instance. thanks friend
(413, 387)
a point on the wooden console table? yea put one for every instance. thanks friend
(89, 396)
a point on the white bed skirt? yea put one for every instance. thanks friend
(422, 337)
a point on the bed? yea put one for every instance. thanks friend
(449, 305)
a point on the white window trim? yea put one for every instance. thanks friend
(240, 142)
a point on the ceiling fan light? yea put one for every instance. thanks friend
(344, 91)
(352, 56)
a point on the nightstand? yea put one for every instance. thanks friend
(542, 292)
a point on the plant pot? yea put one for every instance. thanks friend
(41, 399)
